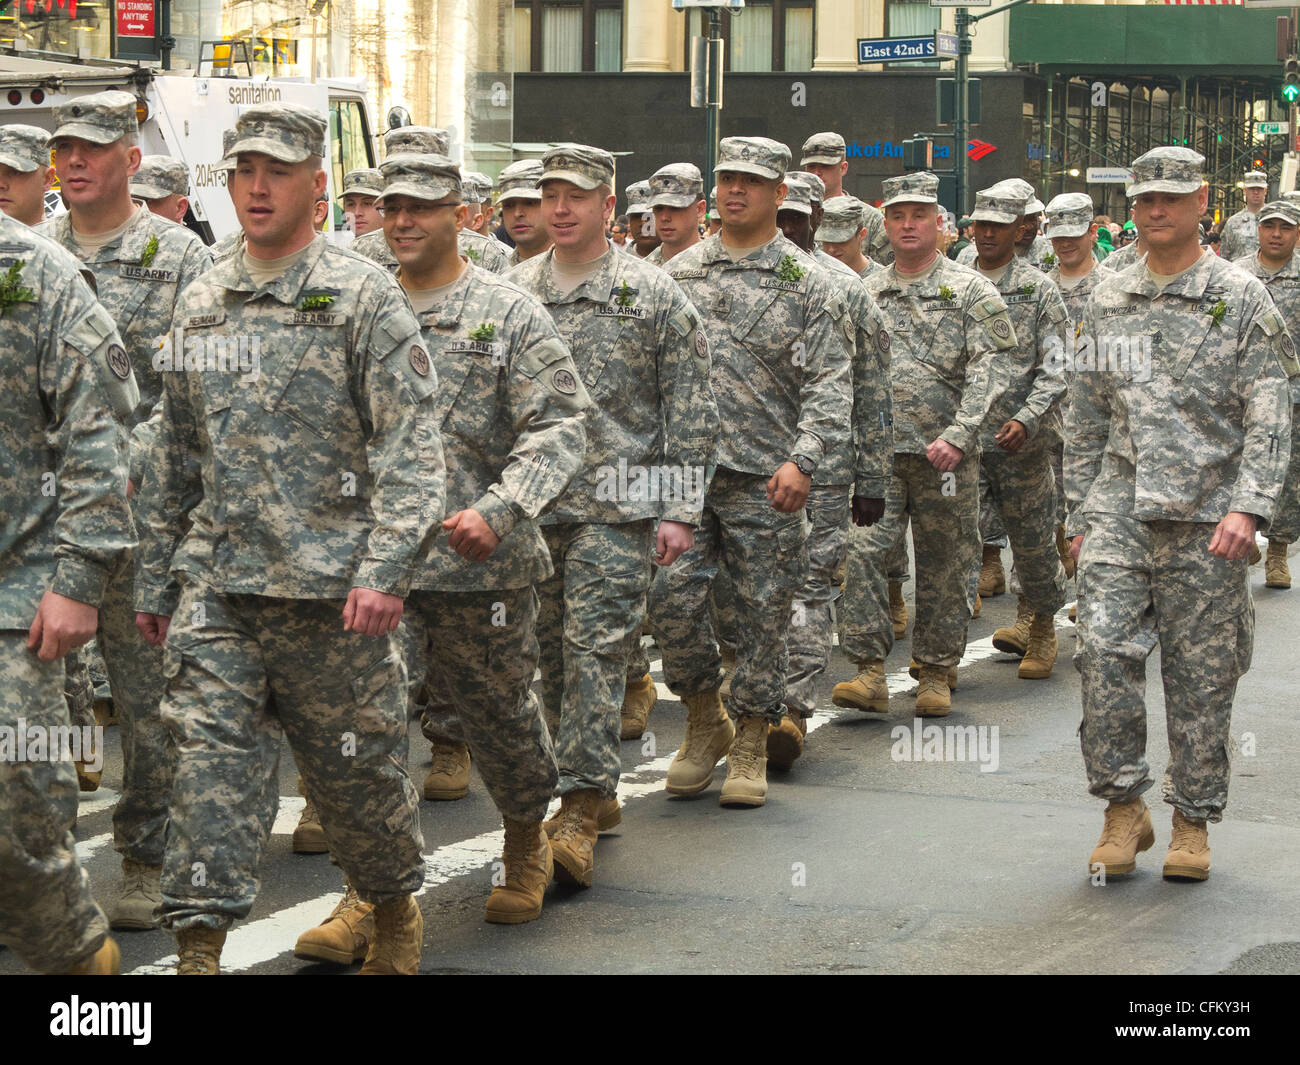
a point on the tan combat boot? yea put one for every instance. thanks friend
(1126, 832)
(1063, 549)
(344, 936)
(608, 815)
(1074, 611)
(399, 939)
(309, 837)
(105, 713)
(933, 696)
(448, 777)
(527, 857)
(141, 895)
(897, 609)
(1189, 850)
(709, 733)
(1040, 655)
(88, 779)
(106, 961)
(199, 951)
(1255, 555)
(1014, 639)
(993, 578)
(867, 691)
(638, 700)
(573, 846)
(975, 610)
(914, 671)
(746, 783)
(1277, 574)
(785, 741)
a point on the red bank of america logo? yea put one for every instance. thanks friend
(979, 149)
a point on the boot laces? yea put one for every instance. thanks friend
(309, 813)
(446, 759)
(1119, 824)
(570, 821)
(743, 754)
(1186, 835)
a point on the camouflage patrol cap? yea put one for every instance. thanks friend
(1034, 206)
(998, 203)
(422, 140)
(1287, 210)
(676, 185)
(753, 155)
(101, 117)
(1292, 197)
(918, 186)
(1167, 169)
(581, 164)
(816, 186)
(1069, 215)
(519, 181)
(638, 197)
(842, 219)
(160, 176)
(475, 187)
(363, 183)
(290, 133)
(825, 148)
(1256, 179)
(423, 176)
(24, 147)
(713, 202)
(798, 195)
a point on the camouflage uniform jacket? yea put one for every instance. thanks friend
(510, 411)
(1076, 298)
(1123, 258)
(948, 338)
(1210, 431)
(1284, 287)
(780, 372)
(69, 389)
(866, 460)
(1239, 236)
(876, 246)
(140, 296)
(1034, 369)
(316, 471)
(644, 359)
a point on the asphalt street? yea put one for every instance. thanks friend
(861, 861)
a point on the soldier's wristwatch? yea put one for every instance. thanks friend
(804, 465)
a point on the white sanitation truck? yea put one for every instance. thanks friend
(182, 115)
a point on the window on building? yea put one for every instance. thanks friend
(767, 35)
(570, 36)
(911, 18)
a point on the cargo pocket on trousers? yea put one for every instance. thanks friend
(380, 695)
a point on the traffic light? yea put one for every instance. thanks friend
(1291, 80)
(918, 153)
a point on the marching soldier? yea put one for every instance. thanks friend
(69, 388)
(521, 209)
(946, 333)
(163, 185)
(141, 264)
(361, 188)
(644, 359)
(25, 172)
(1239, 237)
(778, 332)
(823, 155)
(1175, 455)
(642, 234)
(309, 482)
(677, 201)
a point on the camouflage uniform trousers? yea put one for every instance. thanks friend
(896, 563)
(1141, 582)
(590, 607)
(432, 706)
(481, 664)
(254, 669)
(992, 531)
(135, 673)
(1022, 491)
(761, 551)
(812, 621)
(944, 511)
(47, 913)
(79, 689)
